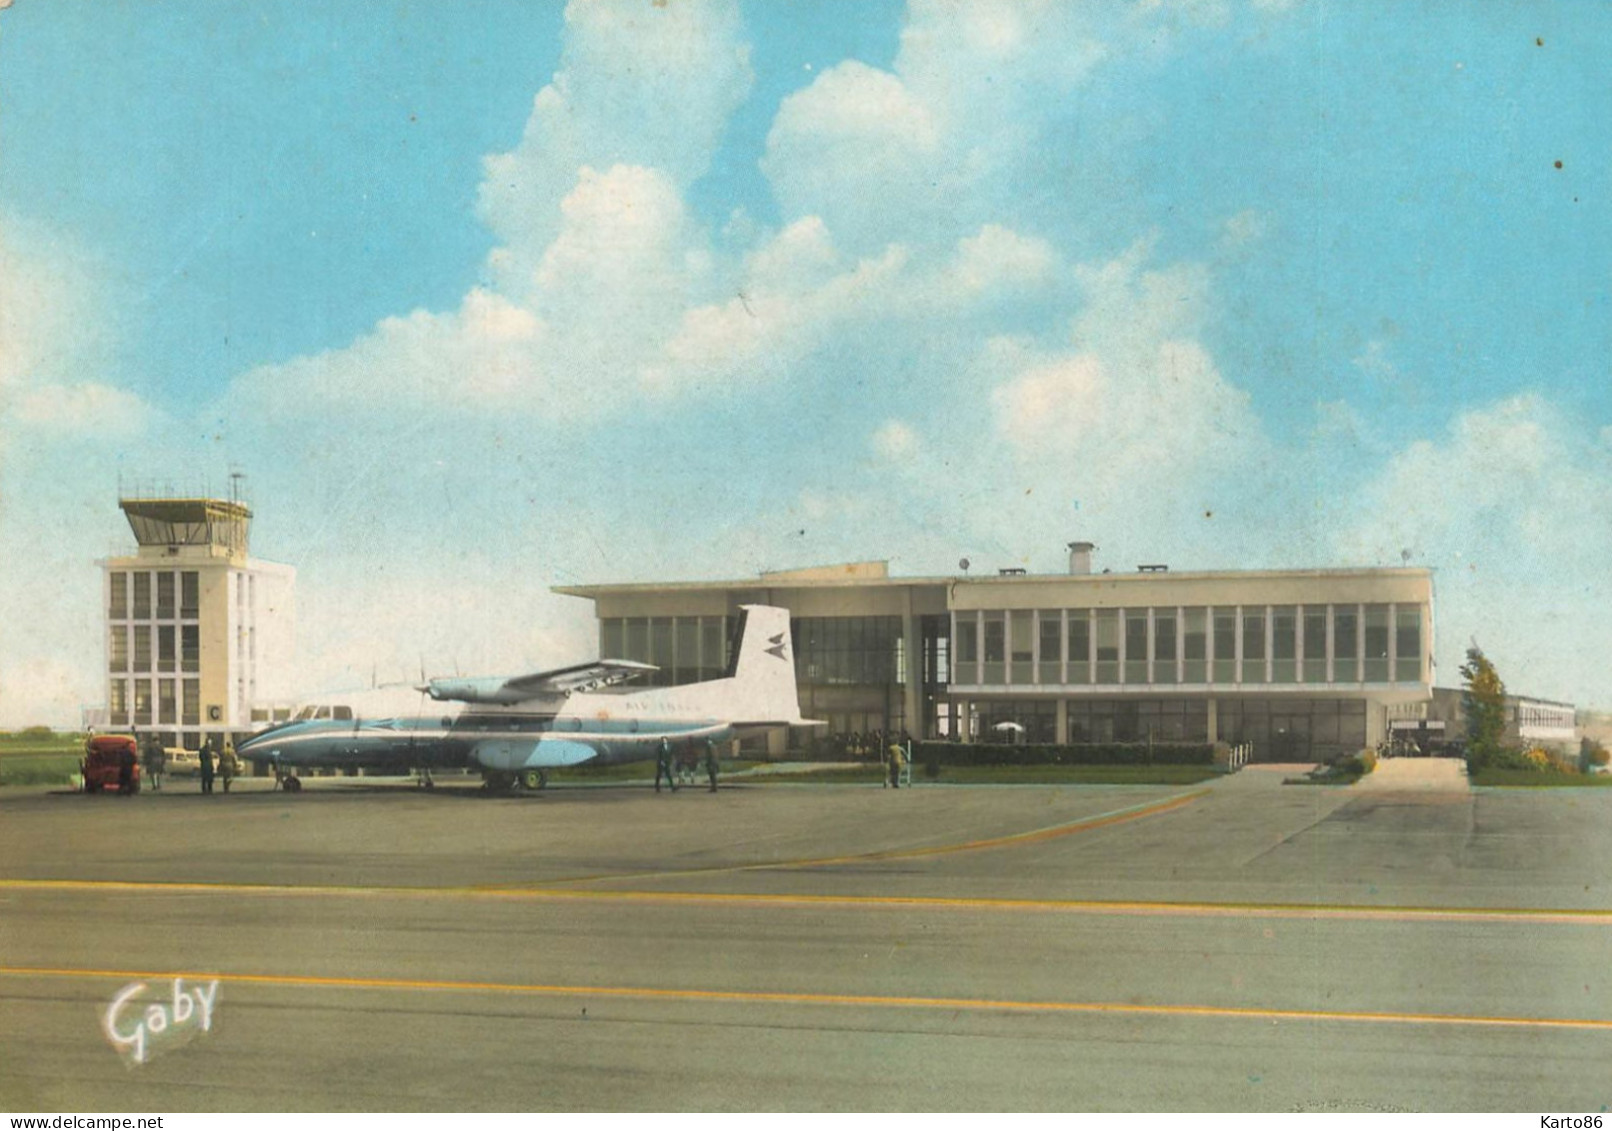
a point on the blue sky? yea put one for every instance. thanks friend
(486, 298)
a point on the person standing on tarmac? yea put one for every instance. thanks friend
(663, 766)
(156, 760)
(228, 764)
(898, 758)
(710, 763)
(207, 767)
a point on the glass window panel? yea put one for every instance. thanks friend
(1408, 644)
(1080, 646)
(166, 711)
(142, 701)
(191, 714)
(1225, 644)
(1284, 644)
(638, 639)
(1376, 637)
(967, 641)
(1107, 645)
(165, 648)
(142, 647)
(1195, 645)
(189, 598)
(1345, 643)
(995, 648)
(190, 648)
(1051, 630)
(118, 702)
(142, 596)
(686, 641)
(165, 596)
(1022, 623)
(995, 638)
(712, 661)
(119, 603)
(120, 649)
(1315, 645)
(1253, 646)
(1163, 645)
(1135, 645)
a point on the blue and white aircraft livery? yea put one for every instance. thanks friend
(514, 729)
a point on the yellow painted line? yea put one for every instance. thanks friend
(764, 997)
(1165, 908)
(1084, 824)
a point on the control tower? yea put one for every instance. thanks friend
(199, 634)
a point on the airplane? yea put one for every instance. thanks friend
(516, 729)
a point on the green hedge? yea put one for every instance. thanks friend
(1074, 754)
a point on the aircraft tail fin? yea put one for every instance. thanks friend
(762, 669)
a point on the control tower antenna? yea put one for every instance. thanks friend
(235, 477)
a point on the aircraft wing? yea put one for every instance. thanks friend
(558, 681)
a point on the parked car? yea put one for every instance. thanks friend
(182, 761)
(102, 765)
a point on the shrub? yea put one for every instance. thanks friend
(1591, 754)
(1533, 760)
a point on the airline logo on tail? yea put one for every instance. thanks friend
(778, 646)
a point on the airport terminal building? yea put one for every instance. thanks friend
(1301, 664)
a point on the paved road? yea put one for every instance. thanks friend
(1247, 945)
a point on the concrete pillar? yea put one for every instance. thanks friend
(1063, 722)
(1214, 721)
(913, 700)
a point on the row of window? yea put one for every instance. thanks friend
(1276, 727)
(828, 650)
(132, 593)
(849, 650)
(1544, 716)
(177, 648)
(684, 649)
(1244, 644)
(159, 702)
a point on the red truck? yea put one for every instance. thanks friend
(102, 766)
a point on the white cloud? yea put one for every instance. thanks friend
(895, 440)
(638, 85)
(602, 300)
(1513, 509)
(83, 410)
(1245, 228)
(51, 333)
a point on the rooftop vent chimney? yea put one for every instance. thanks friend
(1080, 558)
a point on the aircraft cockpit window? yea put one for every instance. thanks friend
(322, 713)
(341, 712)
(305, 713)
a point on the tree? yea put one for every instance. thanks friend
(1483, 701)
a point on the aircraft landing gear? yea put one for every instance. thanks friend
(497, 781)
(534, 779)
(423, 779)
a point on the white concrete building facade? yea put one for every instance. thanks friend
(1301, 664)
(199, 635)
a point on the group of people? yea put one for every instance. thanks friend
(683, 766)
(155, 760)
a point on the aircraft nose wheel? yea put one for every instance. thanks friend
(534, 779)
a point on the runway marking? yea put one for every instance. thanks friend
(766, 997)
(1594, 917)
(1051, 832)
